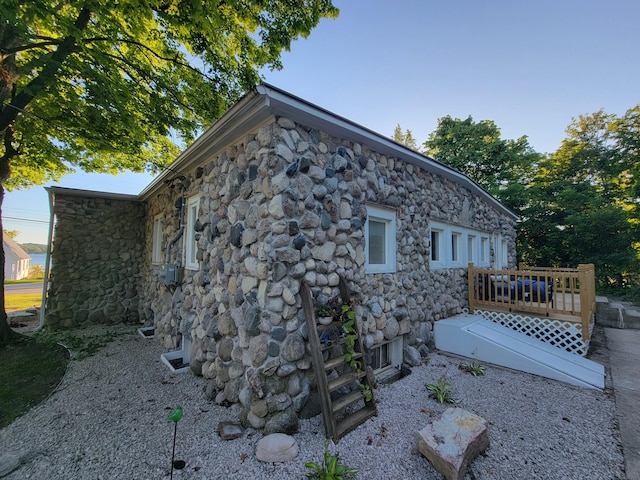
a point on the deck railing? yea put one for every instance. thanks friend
(565, 294)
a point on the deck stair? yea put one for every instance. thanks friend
(345, 388)
(473, 336)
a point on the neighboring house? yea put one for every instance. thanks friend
(16, 260)
(278, 191)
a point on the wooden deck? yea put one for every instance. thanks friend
(562, 294)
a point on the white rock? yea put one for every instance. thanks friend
(276, 447)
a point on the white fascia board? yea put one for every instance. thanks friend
(244, 116)
(77, 192)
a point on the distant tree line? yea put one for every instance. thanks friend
(579, 204)
(34, 248)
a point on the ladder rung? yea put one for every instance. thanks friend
(345, 380)
(346, 400)
(339, 360)
(347, 424)
(340, 341)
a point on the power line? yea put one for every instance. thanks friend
(25, 219)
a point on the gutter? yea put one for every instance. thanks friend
(47, 262)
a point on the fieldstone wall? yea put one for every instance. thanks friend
(286, 204)
(97, 254)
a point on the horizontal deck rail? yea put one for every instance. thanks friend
(565, 294)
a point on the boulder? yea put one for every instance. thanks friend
(453, 441)
(276, 447)
(9, 461)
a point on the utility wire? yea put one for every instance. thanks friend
(24, 219)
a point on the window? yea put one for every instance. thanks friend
(193, 204)
(455, 246)
(380, 234)
(436, 246)
(472, 255)
(156, 239)
(484, 252)
(500, 260)
(385, 356)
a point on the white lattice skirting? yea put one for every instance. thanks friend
(565, 335)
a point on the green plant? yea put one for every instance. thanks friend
(441, 391)
(474, 368)
(330, 469)
(324, 311)
(366, 390)
(81, 347)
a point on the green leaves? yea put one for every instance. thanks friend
(125, 89)
(330, 469)
(441, 391)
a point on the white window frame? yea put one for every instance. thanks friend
(394, 353)
(501, 257)
(437, 254)
(457, 255)
(485, 252)
(156, 239)
(470, 246)
(191, 248)
(388, 218)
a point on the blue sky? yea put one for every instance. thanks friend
(529, 66)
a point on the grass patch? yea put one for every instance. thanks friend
(30, 369)
(22, 301)
(25, 280)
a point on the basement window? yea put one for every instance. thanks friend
(386, 356)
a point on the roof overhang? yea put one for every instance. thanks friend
(77, 192)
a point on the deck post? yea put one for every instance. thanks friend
(587, 297)
(472, 287)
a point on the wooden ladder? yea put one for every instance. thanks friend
(345, 388)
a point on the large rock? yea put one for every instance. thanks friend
(453, 441)
(276, 447)
(9, 461)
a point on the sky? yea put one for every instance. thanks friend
(531, 67)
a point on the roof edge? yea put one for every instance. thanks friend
(265, 100)
(78, 192)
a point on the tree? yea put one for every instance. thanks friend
(583, 203)
(407, 139)
(11, 233)
(503, 167)
(106, 86)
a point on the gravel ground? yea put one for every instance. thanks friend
(107, 420)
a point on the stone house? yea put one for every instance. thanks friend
(278, 191)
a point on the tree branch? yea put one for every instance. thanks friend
(153, 52)
(30, 46)
(46, 77)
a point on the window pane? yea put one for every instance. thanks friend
(377, 242)
(435, 246)
(193, 215)
(454, 247)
